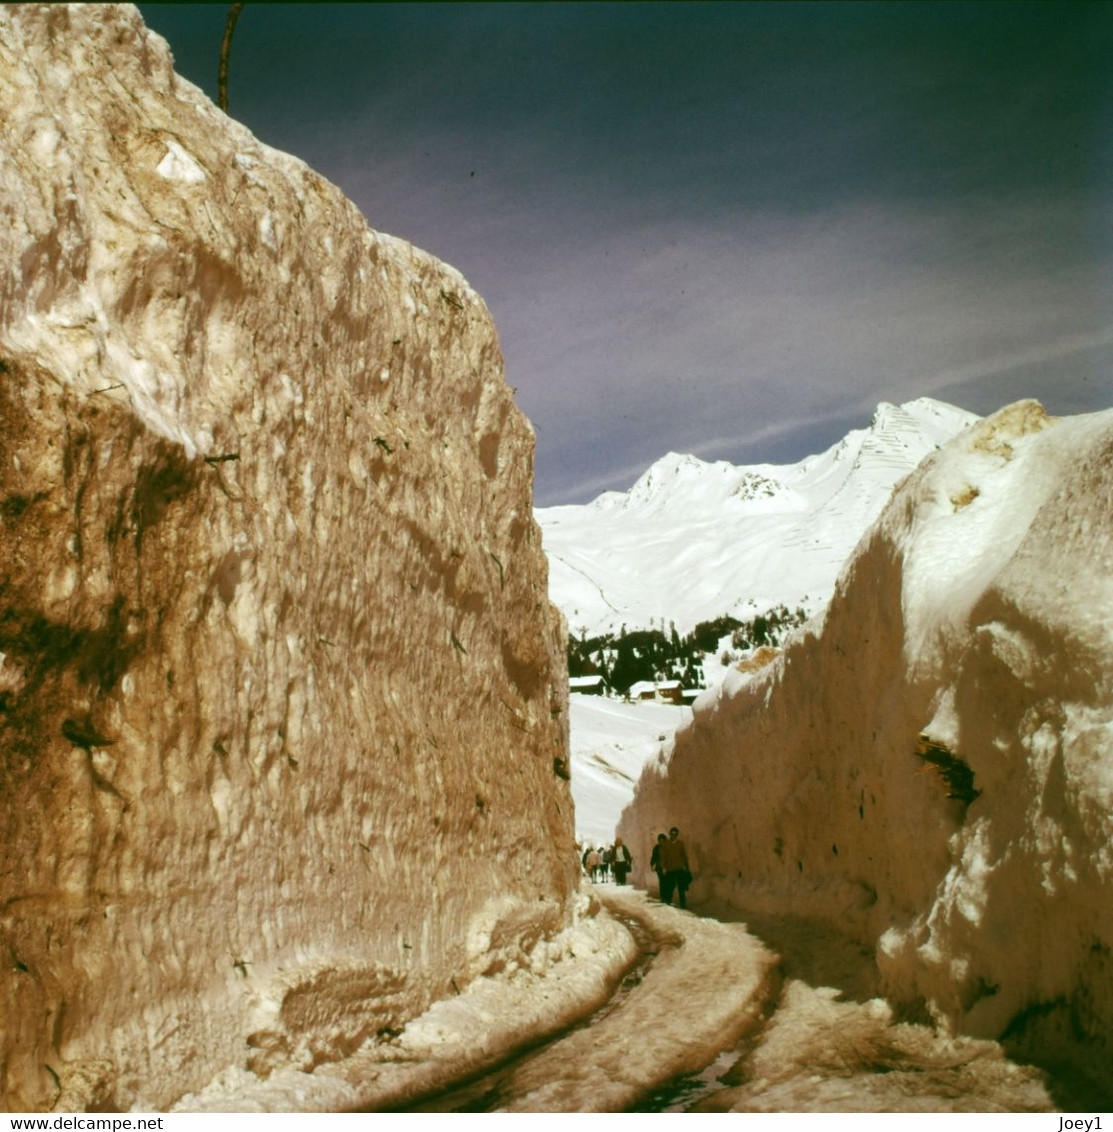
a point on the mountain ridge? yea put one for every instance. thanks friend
(693, 540)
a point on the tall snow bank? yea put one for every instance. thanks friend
(932, 765)
(280, 689)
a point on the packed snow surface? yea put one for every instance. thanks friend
(713, 1016)
(691, 541)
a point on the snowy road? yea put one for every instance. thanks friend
(706, 988)
(774, 1015)
(722, 1021)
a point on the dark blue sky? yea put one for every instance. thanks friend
(728, 229)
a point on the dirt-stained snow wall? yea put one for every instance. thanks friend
(282, 697)
(931, 767)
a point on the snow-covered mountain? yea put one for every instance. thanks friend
(693, 540)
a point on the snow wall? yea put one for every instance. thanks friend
(281, 693)
(931, 766)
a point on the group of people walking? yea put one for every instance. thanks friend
(669, 860)
(597, 863)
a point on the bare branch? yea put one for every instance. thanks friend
(234, 11)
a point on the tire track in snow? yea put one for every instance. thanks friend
(485, 1091)
(709, 984)
(779, 1036)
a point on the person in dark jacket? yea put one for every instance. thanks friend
(675, 872)
(620, 861)
(655, 858)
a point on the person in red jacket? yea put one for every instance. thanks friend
(676, 874)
